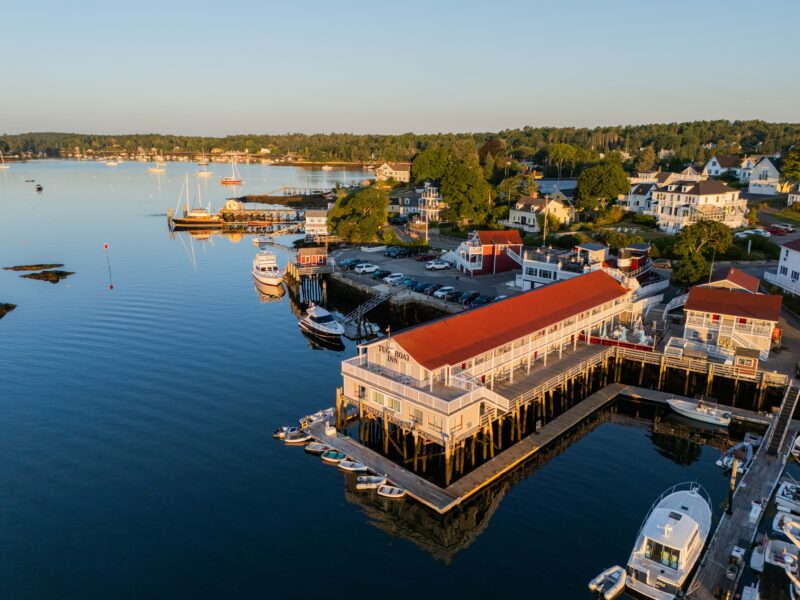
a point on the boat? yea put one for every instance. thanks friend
(204, 172)
(782, 555)
(610, 583)
(320, 323)
(742, 451)
(369, 482)
(390, 491)
(327, 168)
(38, 187)
(353, 466)
(262, 240)
(197, 217)
(112, 163)
(788, 497)
(297, 437)
(796, 447)
(266, 269)
(670, 542)
(753, 439)
(702, 411)
(317, 448)
(786, 524)
(333, 456)
(159, 168)
(281, 432)
(234, 179)
(3, 164)
(203, 160)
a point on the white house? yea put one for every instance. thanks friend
(741, 166)
(394, 170)
(788, 274)
(316, 223)
(765, 179)
(524, 214)
(794, 195)
(639, 198)
(682, 203)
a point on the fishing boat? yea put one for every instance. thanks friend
(320, 323)
(333, 456)
(701, 411)
(353, 466)
(390, 491)
(742, 451)
(297, 437)
(369, 482)
(266, 269)
(317, 448)
(197, 217)
(609, 583)
(3, 164)
(788, 497)
(670, 542)
(281, 432)
(234, 179)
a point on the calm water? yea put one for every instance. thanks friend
(135, 428)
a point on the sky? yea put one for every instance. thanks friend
(231, 67)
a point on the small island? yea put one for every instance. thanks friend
(33, 267)
(52, 276)
(6, 308)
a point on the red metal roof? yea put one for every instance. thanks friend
(452, 340)
(793, 245)
(740, 278)
(508, 236)
(738, 304)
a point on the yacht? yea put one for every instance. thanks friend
(194, 217)
(670, 542)
(702, 411)
(320, 323)
(266, 269)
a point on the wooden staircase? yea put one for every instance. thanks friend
(781, 425)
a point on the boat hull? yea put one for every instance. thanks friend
(273, 280)
(319, 333)
(688, 411)
(196, 224)
(230, 181)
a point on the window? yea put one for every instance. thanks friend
(377, 397)
(784, 270)
(416, 416)
(795, 275)
(436, 422)
(786, 254)
(669, 557)
(393, 404)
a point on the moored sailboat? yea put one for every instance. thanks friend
(234, 179)
(3, 164)
(194, 217)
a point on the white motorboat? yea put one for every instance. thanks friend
(609, 583)
(779, 556)
(796, 447)
(297, 437)
(701, 411)
(670, 542)
(317, 448)
(281, 432)
(319, 322)
(266, 269)
(788, 497)
(743, 452)
(353, 466)
(787, 524)
(261, 240)
(369, 482)
(390, 491)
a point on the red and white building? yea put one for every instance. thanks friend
(312, 256)
(489, 252)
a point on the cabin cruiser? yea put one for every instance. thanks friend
(266, 270)
(788, 496)
(670, 542)
(320, 323)
(702, 411)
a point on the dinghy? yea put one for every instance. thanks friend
(352, 466)
(369, 482)
(753, 439)
(280, 432)
(333, 456)
(390, 491)
(317, 448)
(702, 411)
(609, 583)
(744, 454)
(297, 437)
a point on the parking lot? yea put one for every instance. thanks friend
(489, 285)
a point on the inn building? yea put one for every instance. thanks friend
(446, 379)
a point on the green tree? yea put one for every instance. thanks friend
(646, 159)
(359, 216)
(562, 155)
(597, 185)
(689, 270)
(791, 164)
(703, 237)
(752, 216)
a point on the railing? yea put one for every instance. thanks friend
(514, 256)
(652, 287)
(675, 303)
(783, 281)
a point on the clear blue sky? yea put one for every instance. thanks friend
(216, 68)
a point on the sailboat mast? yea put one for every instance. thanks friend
(186, 185)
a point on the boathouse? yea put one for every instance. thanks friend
(312, 256)
(489, 252)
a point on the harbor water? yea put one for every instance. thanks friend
(137, 401)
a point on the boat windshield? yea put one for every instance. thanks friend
(669, 557)
(323, 319)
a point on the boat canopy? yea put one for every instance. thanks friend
(670, 528)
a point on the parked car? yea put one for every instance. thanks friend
(394, 278)
(498, 298)
(437, 265)
(409, 282)
(398, 220)
(468, 297)
(481, 300)
(424, 257)
(453, 296)
(431, 289)
(750, 232)
(786, 226)
(389, 249)
(775, 230)
(366, 268)
(397, 253)
(443, 291)
(662, 263)
(419, 287)
(347, 263)
(381, 274)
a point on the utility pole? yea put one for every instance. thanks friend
(546, 203)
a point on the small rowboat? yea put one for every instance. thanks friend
(743, 452)
(390, 491)
(609, 583)
(352, 466)
(280, 432)
(369, 482)
(702, 411)
(333, 456)
(297, 437)
(317, 448)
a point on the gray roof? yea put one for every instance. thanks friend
(591, 246)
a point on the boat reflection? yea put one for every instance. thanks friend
(319, 343)
(269, 293)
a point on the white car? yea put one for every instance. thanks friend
(746, 234)
(443, 291)
(393, 278)
(437, 265)
(365, 268)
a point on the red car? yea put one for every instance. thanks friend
(775, 230)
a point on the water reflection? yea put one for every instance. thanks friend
(269, 293)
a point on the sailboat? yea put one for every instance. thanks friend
(234, 179)
(3, 164)
(160, 164)
(203, 172)
(203, 160)
(194, 217)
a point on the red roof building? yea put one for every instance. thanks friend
(735, 279)
(490, 252)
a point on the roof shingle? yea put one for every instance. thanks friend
(737, 304)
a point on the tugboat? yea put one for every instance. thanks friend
(319, 323)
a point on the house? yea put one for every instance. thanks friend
(765, 179)
(794, 195)
(444, 379)
(395, 171)
(733, 279)
(524, 215)
(741, 166)
(639, 198)
(316, 223)
(727, 319)
(312, 256)
(682, 203)
(426, 202)
(489, 252)
(551, 185)
(659, 177)
(787, 276)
